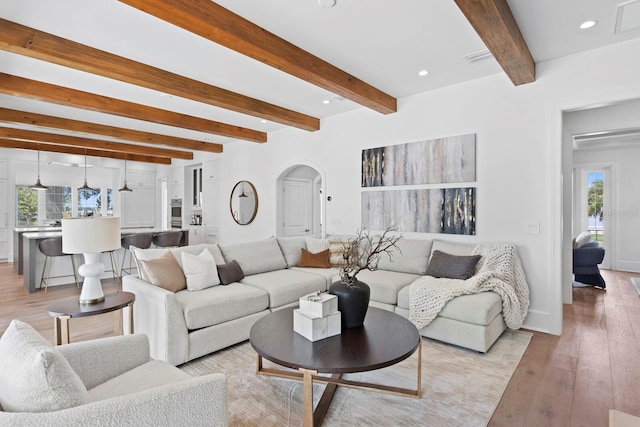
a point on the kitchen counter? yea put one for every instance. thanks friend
(31, 261)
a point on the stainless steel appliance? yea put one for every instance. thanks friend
(176, 213)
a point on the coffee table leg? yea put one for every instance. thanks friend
(307, 397)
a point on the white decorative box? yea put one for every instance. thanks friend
(318, 305)
(316, 328)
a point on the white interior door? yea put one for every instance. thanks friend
(296, 207)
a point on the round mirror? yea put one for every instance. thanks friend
(243, 203)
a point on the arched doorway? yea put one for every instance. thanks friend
(300, 201)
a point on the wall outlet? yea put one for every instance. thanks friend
(533, 228)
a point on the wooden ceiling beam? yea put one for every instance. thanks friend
(37, 44)
(39, 91)
(213, 22)
(29, 145)
(23, 117)
(54, 138)
(496, 26)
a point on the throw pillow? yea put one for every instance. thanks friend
(164, 272)
(230, 272)
(200, 270)
(450, 266)
(35, 377)
(582, 239)
(315, 245)
(319, 260)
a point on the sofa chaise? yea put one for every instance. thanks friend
(185, 324)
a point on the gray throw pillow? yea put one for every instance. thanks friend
(450, 266)
(230, 272)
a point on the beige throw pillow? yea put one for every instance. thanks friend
(200, 270)
(164, 272)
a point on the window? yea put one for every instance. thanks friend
(57, 203)
(90, 202)
(595, 204)
(35, 207)
(26, 206)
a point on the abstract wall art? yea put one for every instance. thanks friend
(436, 161)
(440, 210)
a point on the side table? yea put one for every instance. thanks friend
(64, 309)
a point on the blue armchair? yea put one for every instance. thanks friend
(585, 264)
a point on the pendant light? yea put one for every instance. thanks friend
(125, 187)
(38, 185)
(85, 186)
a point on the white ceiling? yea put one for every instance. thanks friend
(382, 43)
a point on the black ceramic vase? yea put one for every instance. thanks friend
(353, 302)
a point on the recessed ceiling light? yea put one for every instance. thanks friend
(326, 101)
(263, 121)
(423, 73)
(587, 24)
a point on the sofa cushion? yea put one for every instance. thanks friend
(220, 304)
(153, 374)
(163, 272)
(450, 266)
(318, 260)
(315, 245)
(230, 272)
(328, 274)
(412, 257)
(385, 285)
(153, 253)
(453, 248)
(199, 270)
(34, 376)
(256, 257)
(290, 247)
(478, 309)
(286, 286)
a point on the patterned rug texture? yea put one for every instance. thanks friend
(459, 388)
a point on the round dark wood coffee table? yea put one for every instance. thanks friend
(384, 340)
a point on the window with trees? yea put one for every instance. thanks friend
(35, 207)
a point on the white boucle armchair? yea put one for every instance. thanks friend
(104, 382)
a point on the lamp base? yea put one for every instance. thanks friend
(91, 287)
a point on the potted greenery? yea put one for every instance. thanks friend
(358, 253)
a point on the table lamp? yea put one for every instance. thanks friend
(90, 237)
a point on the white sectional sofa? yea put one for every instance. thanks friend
(184, 325)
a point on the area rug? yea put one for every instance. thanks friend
(459, 388)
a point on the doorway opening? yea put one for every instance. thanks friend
(300, 201)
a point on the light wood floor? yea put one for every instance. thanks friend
(568, 380)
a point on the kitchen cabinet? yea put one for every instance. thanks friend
(139, 206)
(177, 183)
(196, 235)
(211, 235)
(211, 203)
(211, 169)
(4, 220)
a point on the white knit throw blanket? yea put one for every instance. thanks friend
(500, 272)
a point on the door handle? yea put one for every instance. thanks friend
(306, 231)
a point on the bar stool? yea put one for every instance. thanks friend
(53, 248)
(167, 239)
(141, 240)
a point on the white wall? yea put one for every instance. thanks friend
(519, 158)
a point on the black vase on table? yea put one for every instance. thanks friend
(353, 301)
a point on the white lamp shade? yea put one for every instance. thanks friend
(90, 235)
